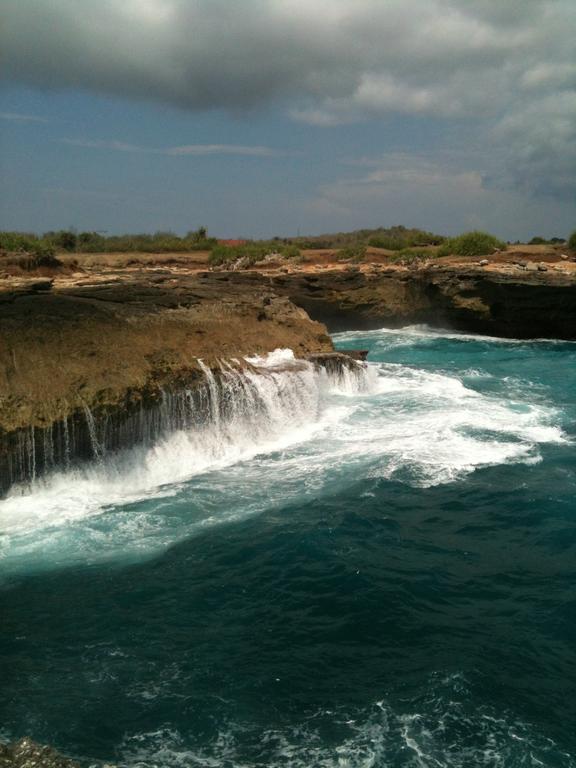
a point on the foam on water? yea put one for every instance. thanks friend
(445, 732)
(421, 332)
(384, 421)
(263, 409)
(361, 623)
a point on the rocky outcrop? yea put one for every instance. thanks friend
(25, 753)
(108, 347)
(90, 354)
(511, 303)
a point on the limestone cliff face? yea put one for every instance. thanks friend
(106, 347)
(521, 305)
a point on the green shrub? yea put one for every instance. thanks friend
(159, 242)
(537, 241)
(471, 244)
(290, 252)
(572, 241)
(27, 252)
(19, 242)
(355, 253)
(400, 238)
(63, 240)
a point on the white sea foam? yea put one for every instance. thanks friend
(289, 432)
(443, 733)
(409, 333)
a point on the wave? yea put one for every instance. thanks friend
(286, 431)
(270, 405)
(410, 333)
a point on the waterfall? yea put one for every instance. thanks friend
(232, 403)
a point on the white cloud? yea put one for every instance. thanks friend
(196, 150)
(437, 193)
(328, 62)
(20, 118)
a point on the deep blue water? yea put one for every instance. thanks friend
(389, 579)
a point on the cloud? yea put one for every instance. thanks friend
(402, 173)
(20, 118)
(195, 150)
(439, 193)
(542, 141)
(493, 63)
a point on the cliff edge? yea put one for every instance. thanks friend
(77, 350)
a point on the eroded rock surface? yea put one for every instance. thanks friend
(109, 345)
(511, 302)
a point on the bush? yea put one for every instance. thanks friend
(160, 242)
(471, 244)
(243, 256)
(290, 252)
(27, 252)
(18, 242)
(572, 241)
(63, 240)
(355, 253)
(400, 238)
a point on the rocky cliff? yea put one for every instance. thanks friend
(508, 302)
(107, 347)
(95, 351)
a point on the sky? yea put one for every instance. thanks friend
(263, 118)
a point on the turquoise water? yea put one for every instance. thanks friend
(379, 573)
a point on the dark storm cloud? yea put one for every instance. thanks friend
(509, 66)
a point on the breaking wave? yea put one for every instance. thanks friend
(282, 415)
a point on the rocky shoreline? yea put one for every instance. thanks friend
(497, 302)
(109, 343)
(101, 347)
(25, 753)
(76, 353)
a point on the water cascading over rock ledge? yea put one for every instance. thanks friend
(253, 398)
(103, 365)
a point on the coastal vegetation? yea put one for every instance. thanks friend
(471, 244)
(27, 252)
(248, 254)
(354, 253)
(392, 238)
(22, 242)
(543, 241)
(159, 242)
(68, 241)
(396, 245)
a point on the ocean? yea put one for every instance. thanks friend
(356, 571)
